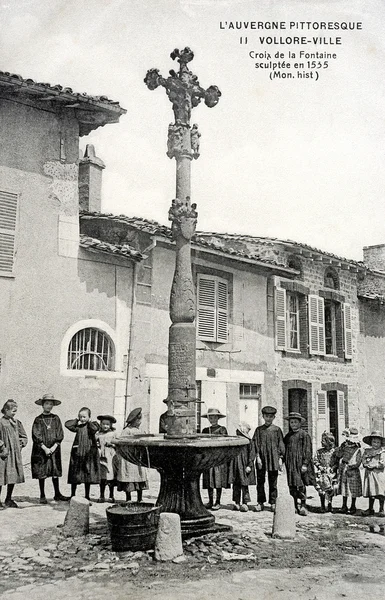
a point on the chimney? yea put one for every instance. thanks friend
(90, 180)
(374, 257)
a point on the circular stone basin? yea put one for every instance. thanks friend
(180, 462)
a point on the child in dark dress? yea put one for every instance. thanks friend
(47, 435)
(242, 471)
(298, 461)
(84, 462)
(215, 477)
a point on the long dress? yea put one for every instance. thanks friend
(84, 462)
(373, 462)
(237, 468)
(348, 459)
(216, 477)
(13, 435)
(299, 453)
(106, 453)
(47, 430)
(130, 477)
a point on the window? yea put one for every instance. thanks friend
(212, 313)
(330, 327)
(287, 319)
(8, 217)
(292, 315)
(249, 403)
(91, 349)
(331, 279)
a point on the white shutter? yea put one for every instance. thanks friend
(322, 414)
(348, 345)
(316, 315)
(321, 326)
(280, 318)
(222, 311)
(206, 312)
(341, 415)
(8, 216)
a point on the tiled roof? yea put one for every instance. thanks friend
(268, 240)
(125, 250)
(104, 110)
(154, 228)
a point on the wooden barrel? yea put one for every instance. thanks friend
(133, 526)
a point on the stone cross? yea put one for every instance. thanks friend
(185, 93)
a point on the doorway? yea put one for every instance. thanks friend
(333, 414)
(297, 398)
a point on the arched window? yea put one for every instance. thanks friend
(293, 262)
(91, 349)
(331, 279)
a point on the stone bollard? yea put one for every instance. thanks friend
(77, 519)
(168, 544)
(284, 518)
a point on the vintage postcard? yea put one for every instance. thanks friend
(192, 299)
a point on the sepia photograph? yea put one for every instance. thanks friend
(192, 299)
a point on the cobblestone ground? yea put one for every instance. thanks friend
(333, 556)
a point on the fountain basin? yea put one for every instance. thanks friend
(180, 462)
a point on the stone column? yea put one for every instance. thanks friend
(184, 92)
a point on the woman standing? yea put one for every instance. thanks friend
(14, 438)
(130, 477)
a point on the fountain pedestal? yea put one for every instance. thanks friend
(180, 462)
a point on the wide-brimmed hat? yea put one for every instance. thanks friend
(295, 415)
(46, 398)
(134, 414)
(269, 410)
(106, 418)
(375, 434)
(213, 411)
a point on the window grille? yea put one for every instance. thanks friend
(92, 350)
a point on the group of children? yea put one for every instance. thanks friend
(93, 459)
(333, 471)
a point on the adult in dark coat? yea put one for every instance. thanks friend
(47, 435)
(270, 450)
(242, 471)
(298, 461)
(215, 477)
(84, 462)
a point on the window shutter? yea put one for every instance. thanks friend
(8, 216)
(321, 325)
(280, 318)
(322, 416)
(316, 325)
(341, 414)
(348, 331)
(313, 325)
(206, 312)
(222, 311)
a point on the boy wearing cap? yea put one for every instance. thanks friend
(298, 461)
(270, 450)
(47, 435)
(215, 477)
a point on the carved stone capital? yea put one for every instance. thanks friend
(184, 218)
(178, 141)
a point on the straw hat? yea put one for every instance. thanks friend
(295, 415)
(48, 397)
(213, 411)
(375, 434)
